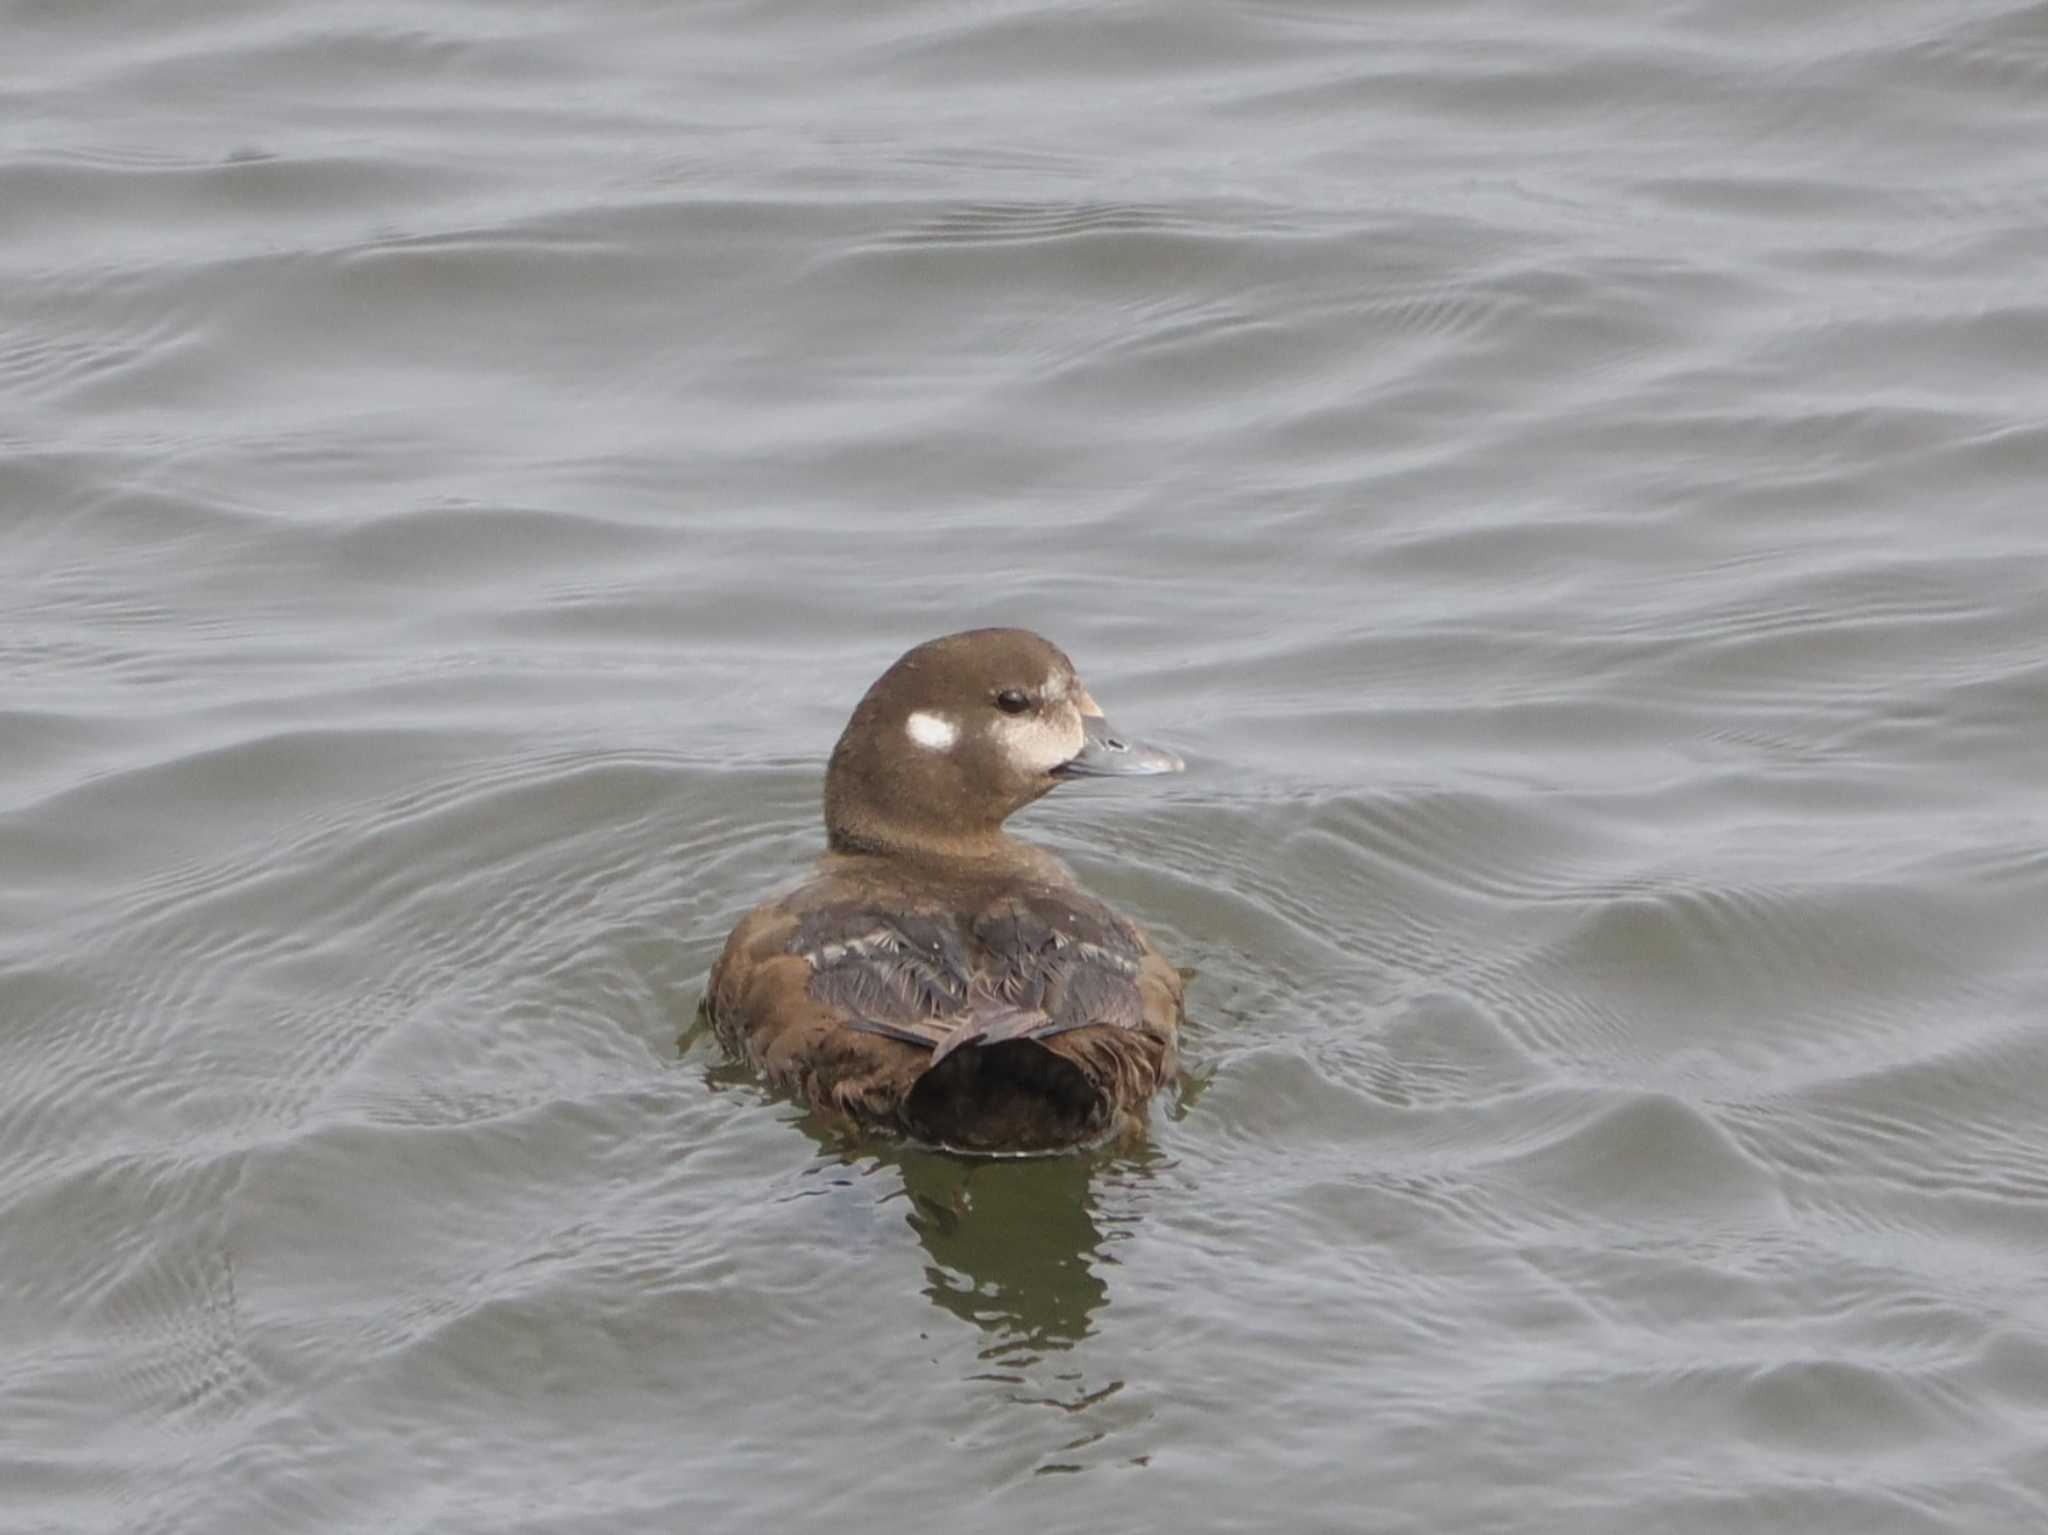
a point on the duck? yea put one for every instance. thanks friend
(937, 977)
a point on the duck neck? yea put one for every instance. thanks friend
(858, 829)
(870, 809)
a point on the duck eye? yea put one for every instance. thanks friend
(1011, 701)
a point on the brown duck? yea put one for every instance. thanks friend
(936, 976)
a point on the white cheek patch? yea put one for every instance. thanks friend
(934, 732)
(1055, 688)
(1039, 745)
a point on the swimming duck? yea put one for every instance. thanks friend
(936, 976)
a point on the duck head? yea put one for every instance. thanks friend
(962, 732)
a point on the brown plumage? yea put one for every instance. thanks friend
(936, 976)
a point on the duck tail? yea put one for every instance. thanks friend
(990, 1024)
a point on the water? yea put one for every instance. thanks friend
(1568, 478)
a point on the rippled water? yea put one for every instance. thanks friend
(1569, 478)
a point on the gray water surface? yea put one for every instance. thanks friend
(1569, 478)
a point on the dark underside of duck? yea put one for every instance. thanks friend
(1016, 1095)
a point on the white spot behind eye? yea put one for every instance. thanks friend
(934, 732)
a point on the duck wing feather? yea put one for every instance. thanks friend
(1024, 969)
(901, 975)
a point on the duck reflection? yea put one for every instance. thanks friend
(1014, 1246)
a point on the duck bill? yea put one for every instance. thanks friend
(1107, 752)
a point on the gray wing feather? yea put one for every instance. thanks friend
(1051, 968)
(991, 1025)
(894, 974)
(1073, 966)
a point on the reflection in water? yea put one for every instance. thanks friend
(1015, 1245)
(1021, 1250)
